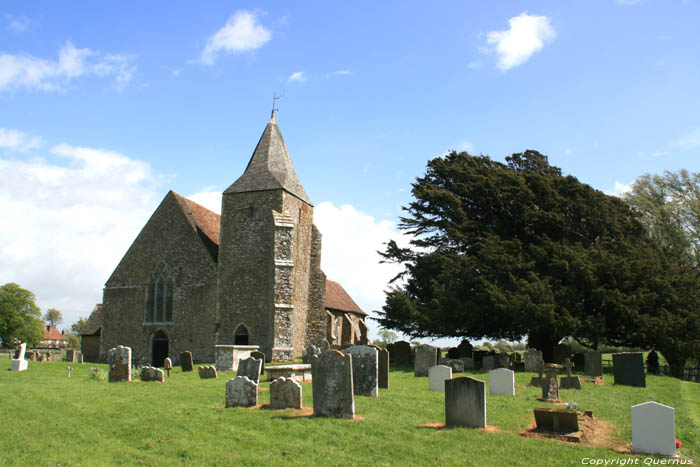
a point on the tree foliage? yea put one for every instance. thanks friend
(78, 326)
(20, 317)
(53, 317)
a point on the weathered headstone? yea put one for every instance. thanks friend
(384, 368)
(579, 361)
(261, 356)
(120, 364)
(628, 369)
(488, 362)
(538, 381)
(468, 363)
(465, 402)
(186, 361)
(436, 377)
(365, 370)
(593, 363)
(569, 381)
(70, 356)
(400, 353)
(426, 357)
(332, 385)
(148, 373)
(456, 364)
(285, 394)
(556, 420)
(207, 372)
(323, 345)
(167, 365)
(653, 429)
(532, 359)
(502, 382)
(308, 353)
(19, 363)
(80, 357)
(550, 385)
(241, 392)
(250, 368)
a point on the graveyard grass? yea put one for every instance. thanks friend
(50, 419)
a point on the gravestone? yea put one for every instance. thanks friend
(453, 353)
(30, 356)
(70, 356)
(579, 362)
(437, 376)
(19, 363)
(532, 359)
(556, 420)
(488, 362)
(550, 385)
(186, 361)
(120, 364)
(332, 385)
(426, 357)
(628, 369)
(384, 368)
(593, 363)
(502, 382)
(285, 393)
(148, 373)
(167, 364)
(465, 402)
(569, 381)
(538, 381)
(468, 362)
(456, 364)
(207, 372)
(324, 345)
(308, 353)
(41, 357)
(260, 355)
(80, 357)
(478, 356)
(502, 360)
(400, 353)
(241, 392)
(653, 429)
(250, 368)
(365, 370)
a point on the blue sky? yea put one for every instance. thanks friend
(104, 107)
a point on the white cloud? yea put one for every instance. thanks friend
(339, 73)
(527, 35)
(297, 76)
(240, 34)
(688, 141)
(17, 71)
(660, 154)
(619, 189)
(16, 140)
(67, 223)
(209, 197)
(18, 24)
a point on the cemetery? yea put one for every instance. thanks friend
(345, 412)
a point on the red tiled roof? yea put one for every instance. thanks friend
(208, 221)
(52, 334)
(338, 299)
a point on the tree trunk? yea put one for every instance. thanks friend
(676, 363)
(544, 341)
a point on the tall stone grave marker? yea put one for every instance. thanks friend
(241, 392)
(532, 359)
(285, 393)
(19, 363)
(148, 373)
(186, 361)
(502, 382)
(628, 369)
(365, 370)
(250, 368)
(384, 368)
(120, 364)
(261, 356)
(465, 402)
(400, 353)
(332, 385)
(437, 376)
(426, 357)
(488, 362)
(593, 363)
(653, 429)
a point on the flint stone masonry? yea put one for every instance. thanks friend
(653, 429)
(465, 402)
(426, 357)
(532, 359)
(593, 363)
(250, 368)
(228, 356)
(300, 373)
(148, 373)
(400, 353)
(186, 361)
(332, 385)
(241, 392)
(502, 382)
(437, 376)
(285, 394)
(628, 369)
(556, 420)
(120, 364)
(365, 370)
(207, 372)
(19, 363)
(383, 371)
(488, 362)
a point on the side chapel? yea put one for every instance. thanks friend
(250, 276)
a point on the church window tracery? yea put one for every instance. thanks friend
(159, 297)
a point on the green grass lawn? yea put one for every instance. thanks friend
(50, 419)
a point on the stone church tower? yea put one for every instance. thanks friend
(270, 287)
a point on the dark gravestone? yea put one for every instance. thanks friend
(365, 370)
(556, 420)
(502, 360)
(384, 368)
(593, 363)
(426, 357)
(186, 361)
(453, 353)
(465, 402)
(332, 386)
(488, 362)
(250, 368)
(579, 361)
(261, 356)
(569, 381)
(478, 356)
(628, 369)
(400, 353)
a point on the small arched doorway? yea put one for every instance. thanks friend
(241, 336)
(161, 347)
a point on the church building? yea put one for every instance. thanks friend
(250, 276)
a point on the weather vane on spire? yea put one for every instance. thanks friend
(275, 97)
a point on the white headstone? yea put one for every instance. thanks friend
(653, 429)
(437, 375)
(502, 382)
(19, 363)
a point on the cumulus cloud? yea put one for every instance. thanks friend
(15, 140)
(619, 189)
(297, 76)
(514, 46)
(18, 24)
(241, 33)
(26, 71)
(68, 219)
(339, 73)
(688, 141)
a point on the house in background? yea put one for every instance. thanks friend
(53, 338)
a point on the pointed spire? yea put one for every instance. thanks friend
(270, 167)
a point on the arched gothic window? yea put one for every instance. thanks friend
(159, 297)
